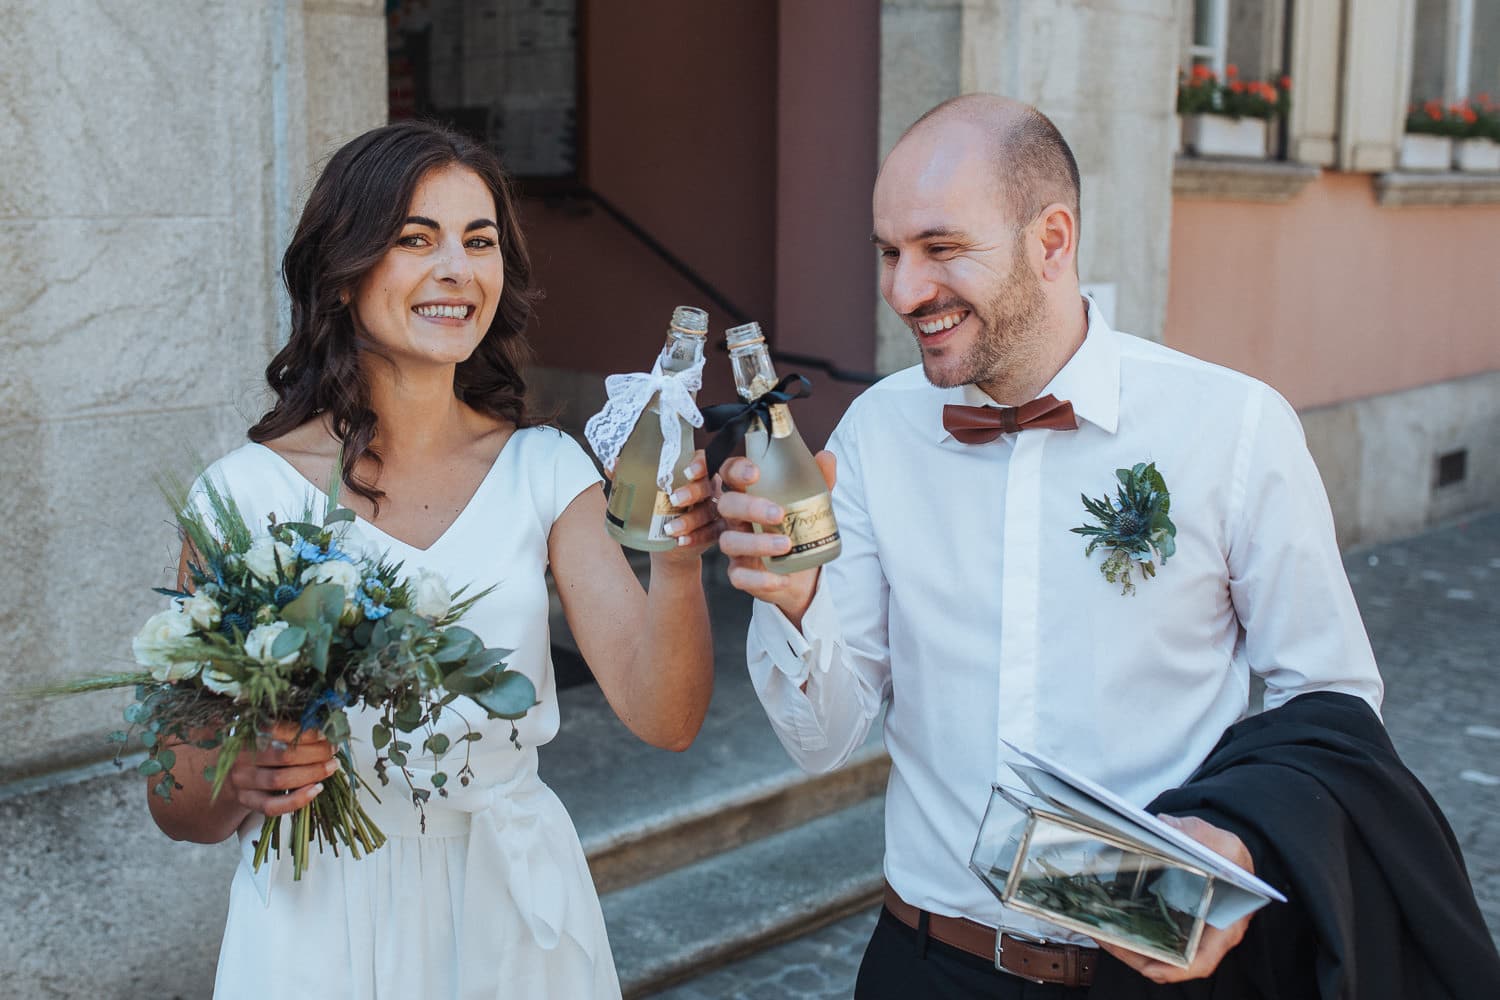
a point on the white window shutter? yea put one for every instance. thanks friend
(1376, 82)
(1317, 40)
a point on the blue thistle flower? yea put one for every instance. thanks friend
(285, 594)
(235, 620)
(372, 596)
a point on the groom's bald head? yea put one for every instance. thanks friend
(1033, 165)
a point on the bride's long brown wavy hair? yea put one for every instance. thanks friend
(353, 216)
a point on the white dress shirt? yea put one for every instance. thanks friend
(963, 600)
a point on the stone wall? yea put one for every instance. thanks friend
(152, 160)
(1104, 71)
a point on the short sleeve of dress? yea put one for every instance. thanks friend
(563, 471)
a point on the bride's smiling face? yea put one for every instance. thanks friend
(433, 295)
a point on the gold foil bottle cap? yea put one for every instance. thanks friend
(690, 320)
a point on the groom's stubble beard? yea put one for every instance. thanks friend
(1010, 324)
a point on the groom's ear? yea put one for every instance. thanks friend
(1057, 231)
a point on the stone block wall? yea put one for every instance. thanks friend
(1104, 71)
(152, 159)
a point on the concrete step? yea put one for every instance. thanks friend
(703, 857)
(642, 811)
(689, 921)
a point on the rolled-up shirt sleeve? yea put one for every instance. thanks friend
(1302, 628)
(841, 653)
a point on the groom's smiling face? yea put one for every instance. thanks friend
(954, 265)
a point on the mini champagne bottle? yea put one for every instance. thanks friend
(638, 509)
(788, 474)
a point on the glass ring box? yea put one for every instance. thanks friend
(1070, 853)
(1040, 861)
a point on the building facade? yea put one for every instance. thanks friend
(153, 159)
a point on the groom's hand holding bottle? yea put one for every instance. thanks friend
(747, 549)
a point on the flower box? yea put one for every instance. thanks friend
(1477, 155)
(1426, 152)
(1218, 135)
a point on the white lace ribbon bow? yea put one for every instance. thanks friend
(628, 395)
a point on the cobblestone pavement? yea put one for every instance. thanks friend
(1431, 604)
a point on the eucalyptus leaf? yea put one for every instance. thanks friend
(288, 642)
(511, 696)
(458, 644)
(336, 728)
(437, 744)
(397, 757)
(380, 735)
(319, 603)
(409, 716)
(303, 528)
(338, 515)
(478, 666)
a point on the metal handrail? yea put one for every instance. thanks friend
(834, 371)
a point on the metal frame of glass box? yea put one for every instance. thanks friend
(1008, 893)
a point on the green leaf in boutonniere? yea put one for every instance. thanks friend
(1133, 526)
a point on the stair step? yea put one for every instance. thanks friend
(641, 811)
(696, 918)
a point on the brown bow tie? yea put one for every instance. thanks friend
(979, 424)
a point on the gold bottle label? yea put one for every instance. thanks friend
(661, 512)
(781, 421)
(809, 524)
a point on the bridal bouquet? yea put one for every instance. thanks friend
(287, 625)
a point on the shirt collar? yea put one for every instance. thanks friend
(1090, 380)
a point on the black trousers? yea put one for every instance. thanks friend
(899, 964)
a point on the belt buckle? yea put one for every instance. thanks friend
(1000, 933)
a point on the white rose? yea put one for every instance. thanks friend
(337, 571)
(259, 642)
(203, 611)
(178, 671)
(262, 558)
(220, 682)
(429, 595)
(163, 630)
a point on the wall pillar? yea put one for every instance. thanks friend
(153, 162)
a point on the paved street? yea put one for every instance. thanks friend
(1432, 607)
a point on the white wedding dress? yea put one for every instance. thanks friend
(494, 900)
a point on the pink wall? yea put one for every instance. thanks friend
(1332, 297)
(680, 134)
(827, 141)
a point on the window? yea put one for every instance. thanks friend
(1456, 51)
(503, 71)
(1210, 35)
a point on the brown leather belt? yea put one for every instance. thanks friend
(1061, 964)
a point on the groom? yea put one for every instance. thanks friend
(963, 602)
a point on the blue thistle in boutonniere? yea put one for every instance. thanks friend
(1133, 526)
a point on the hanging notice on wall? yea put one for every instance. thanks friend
(503, 71)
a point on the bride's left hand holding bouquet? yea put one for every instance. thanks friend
(274, 634)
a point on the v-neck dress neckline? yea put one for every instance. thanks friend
(474, 500)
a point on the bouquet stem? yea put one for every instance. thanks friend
(335, 816)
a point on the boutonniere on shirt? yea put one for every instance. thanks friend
(1133, 526)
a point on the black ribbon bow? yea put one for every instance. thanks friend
(730, 421)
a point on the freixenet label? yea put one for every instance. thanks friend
(661, 513)
(809, 524)
(781, 421)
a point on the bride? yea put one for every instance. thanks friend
(410, 290)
